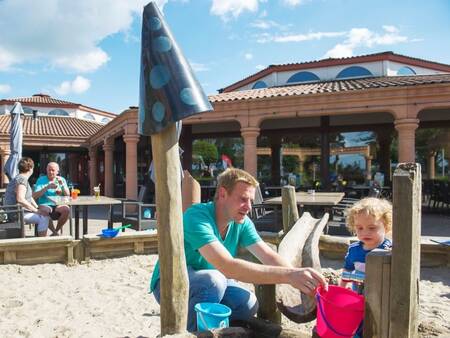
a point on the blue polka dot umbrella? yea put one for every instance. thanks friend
(169, 91)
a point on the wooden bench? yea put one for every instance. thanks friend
(37, 250)
(124, 244)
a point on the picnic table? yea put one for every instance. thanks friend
(84, 202)
(314, 201)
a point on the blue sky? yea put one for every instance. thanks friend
(88, 51)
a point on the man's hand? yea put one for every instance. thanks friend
(51, 185)
(307, 280)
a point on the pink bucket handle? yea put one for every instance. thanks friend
(319, 302)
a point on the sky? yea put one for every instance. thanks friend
(88, 51)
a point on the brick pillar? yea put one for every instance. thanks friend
(93, 179)
(250, 136)
(5, 152)
(131, 182)
(368, 168)
(108, 148)
(431, 165)
(406, 129)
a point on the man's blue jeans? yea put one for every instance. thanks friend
(211, 286)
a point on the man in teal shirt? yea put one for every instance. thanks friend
(52, 185)
(213, 233)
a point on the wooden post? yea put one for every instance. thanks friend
(377, 291)
(174, 278)
(403, 314)
(289, 207)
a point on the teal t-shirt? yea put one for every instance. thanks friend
(41, 182)
(199, 228)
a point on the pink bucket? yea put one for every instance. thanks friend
(340, 312)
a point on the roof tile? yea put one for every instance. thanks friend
(59, 126)
(332, 87)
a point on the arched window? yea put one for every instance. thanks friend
(105, 120)
(259, 85)
(406, 71)
(59, 112)
(27, 110)
(303, 77)
(89, 116)
(353, 71)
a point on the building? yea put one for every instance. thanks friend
(387, 94)
(54, 130)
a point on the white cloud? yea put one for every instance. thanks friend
(248, 56)
(4, 88)
(79, 85)
(260, 67)
(62, 33)
(267, 24)
(266, 37)
(363, 37)
(227, 8)
(293, 3)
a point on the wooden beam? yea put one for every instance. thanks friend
(403, 313)
(174, 278)
(289, 207)
(377, 294)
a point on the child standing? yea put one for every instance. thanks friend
(370, 219)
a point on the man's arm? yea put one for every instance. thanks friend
(42, 189)
(266, 255)
(304, 279)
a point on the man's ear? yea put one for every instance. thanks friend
(222, 192)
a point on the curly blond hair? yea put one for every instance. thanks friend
(380, 209)
(231, 176)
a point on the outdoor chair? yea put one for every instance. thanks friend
(142, 216)
(117, 209)
(265, 218)
(11, 222)
(337, 224)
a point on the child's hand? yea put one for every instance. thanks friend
(344, 284)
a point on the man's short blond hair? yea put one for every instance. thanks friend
(231, 176)
(380, 209)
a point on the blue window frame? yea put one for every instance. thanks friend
(89, 116)
(405, 70)
(59, 112)
(105, 120)
(259, 85)
(303, 77)
(353, 71)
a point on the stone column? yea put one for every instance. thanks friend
(5, 152)
(431, 164)
(275, 150)
(406, 129)
(368, 168)
(108, 148)
(250, 136)
(93, 179)
(131, 182)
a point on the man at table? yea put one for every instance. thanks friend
(213, 232)
(52, 185)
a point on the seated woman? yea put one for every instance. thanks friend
(19, 192)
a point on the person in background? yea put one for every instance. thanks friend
(370, 219)
(19, 191)
(52, 185)
(213, 232)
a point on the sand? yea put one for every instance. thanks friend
(108, 298)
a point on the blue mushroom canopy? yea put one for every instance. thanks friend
(169, 91)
